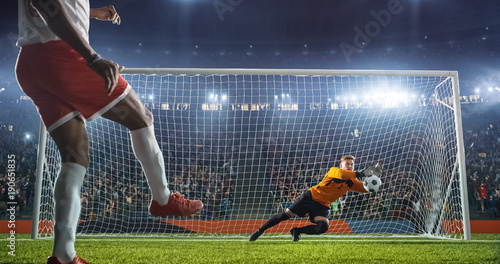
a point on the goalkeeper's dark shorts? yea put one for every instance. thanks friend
(306, 205)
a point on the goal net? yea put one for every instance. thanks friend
(249, 142)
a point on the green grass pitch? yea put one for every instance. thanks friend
(483, 248)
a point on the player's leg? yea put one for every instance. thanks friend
(131, 113)
(276, 219)
(42, 76)
(71, 140)
(321, 226)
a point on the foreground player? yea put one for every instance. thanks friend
(69, 82)
(316, 201)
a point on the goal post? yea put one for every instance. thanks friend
(247, 142)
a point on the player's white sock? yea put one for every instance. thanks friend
(67, 210)
(148, 152)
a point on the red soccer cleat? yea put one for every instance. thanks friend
(176, 206)
(76, 260)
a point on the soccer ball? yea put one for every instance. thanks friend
(372, 183)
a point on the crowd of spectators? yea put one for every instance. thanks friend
(18, 147)
(201, 165)
(198, 166)
(482, 150)
(111, 194)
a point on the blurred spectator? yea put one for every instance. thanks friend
(492, 206)
(483, 195)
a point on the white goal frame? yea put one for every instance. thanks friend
(456, 107)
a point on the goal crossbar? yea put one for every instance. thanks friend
(295, 72)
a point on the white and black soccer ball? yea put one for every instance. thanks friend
(372, 183)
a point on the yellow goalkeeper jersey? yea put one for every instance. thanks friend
(335, 183)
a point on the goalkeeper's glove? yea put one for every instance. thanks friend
(375, 169)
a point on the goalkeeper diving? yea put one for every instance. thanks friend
(316, 201)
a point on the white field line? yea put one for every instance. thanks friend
(273, 240)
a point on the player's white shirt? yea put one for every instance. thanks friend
(33, 29)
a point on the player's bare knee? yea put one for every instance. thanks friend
(80, 157)
(85, 162)
(144, 118)
(76, 152)
(148, 117)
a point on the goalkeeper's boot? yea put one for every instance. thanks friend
(375, 169)
(76, 260)
(176, 206)
(255, 235)
(295, 234)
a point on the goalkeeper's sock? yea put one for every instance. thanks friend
(274, 221)
(148, 153)
(319, 228)
(67, 209)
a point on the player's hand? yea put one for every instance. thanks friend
(375, 169)
(109, 71)
(107, 13)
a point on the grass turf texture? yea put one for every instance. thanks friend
(483, 248)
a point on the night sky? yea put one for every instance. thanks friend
(461, 35)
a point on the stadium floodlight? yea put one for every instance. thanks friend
(419, 144)
(490, 89)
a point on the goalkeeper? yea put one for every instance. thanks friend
(316, 201)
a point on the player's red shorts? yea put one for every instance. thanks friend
(61, 85)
